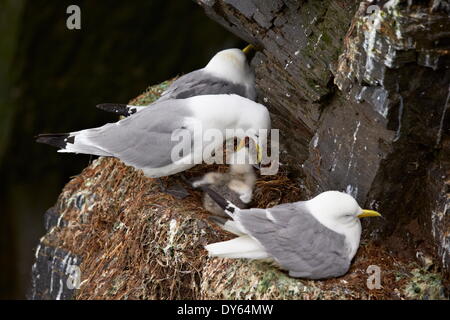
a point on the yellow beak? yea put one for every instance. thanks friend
(248, 49)
(369, 213)
(258, 149)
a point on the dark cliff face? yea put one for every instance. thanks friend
(300, 42)
(397, 64)
(360, 93)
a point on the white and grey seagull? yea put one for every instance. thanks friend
(228, 72)
(146, 141)
(314, 239)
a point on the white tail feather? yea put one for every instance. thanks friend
(241, 247)
(233, 227)
(82, 144)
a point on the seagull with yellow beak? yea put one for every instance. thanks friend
(228, 72)
(314, 239)
(153, 139)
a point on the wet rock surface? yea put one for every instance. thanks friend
(299, 42)
(54, 273)
(360, 92)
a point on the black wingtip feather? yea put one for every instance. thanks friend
(58, 140)
(226, 205)
(117, 108)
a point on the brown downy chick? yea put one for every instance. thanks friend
(236, 185)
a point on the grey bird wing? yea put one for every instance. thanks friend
(144, 139)
(195, 83)
(198, 83)
(297, 241)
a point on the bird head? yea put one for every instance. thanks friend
(256, 135)
(231, 64)
(254, 152)
(340, 212)
(244, 155)
(338, 208)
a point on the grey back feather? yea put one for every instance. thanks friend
(144, 138)
(297, 241)
(199, 82)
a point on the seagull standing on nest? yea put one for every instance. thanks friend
(228, 72)
(145, 140)
(313, 239)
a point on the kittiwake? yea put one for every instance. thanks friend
(236, 185)
(228, 72)
(150, 140)
(314, 239)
